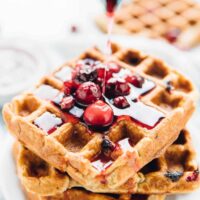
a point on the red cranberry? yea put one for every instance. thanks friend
(67, 103)
(74, 29)
(121, 102)
(136, 80)
(98, 114)
(70, 86)
(101, 72)
(172, 35)
(193, 177)
(87, 93)
(117, 87)
(86, 72)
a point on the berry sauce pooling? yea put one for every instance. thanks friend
(82, 99)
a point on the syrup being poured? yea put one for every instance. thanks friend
(111, 5)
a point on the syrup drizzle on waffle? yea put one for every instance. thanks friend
(144, 115)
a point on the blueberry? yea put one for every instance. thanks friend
(174, 176)
(107, 145)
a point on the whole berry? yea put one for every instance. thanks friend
(121, 102)
(87, 93)
(98, 114)
(136, 80)
(117, 87)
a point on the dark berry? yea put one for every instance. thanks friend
(74, 29)
(69, 87)
(193, 177)
(103, 73)
(172, 35)
(67, 103)
(136, 80)
(107, 145)
(87, 93)
(169, 86)
(174, 176)
(121, 102)
(85, 73)
(117, 87)
(98, 114)
(88, 61)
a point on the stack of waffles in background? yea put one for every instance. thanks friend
(75, 142)
(177, 22)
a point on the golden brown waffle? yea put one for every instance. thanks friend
(175, 21)
(74, 194)
(74, 149)
(24, 158)
(169, 173)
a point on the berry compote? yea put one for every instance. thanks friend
(82, 99)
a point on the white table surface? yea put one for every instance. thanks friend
(48, 22)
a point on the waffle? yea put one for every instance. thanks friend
(74, 194)
(167, 174)
(165, 95)
(25, 159)
(176, 22)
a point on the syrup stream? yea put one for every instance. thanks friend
(110, 9)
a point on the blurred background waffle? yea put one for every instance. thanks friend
(177, 22)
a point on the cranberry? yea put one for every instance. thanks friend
(74, 29)
(172, 35)
(69, 87)
(121, 102)
(193, 177)
(101, 72)
(136, 80)
(98, 114)
(67, 103)
(87, 93)
(85, 73)
(117, 87)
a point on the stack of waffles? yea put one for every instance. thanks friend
(105, 129)
(177, 22)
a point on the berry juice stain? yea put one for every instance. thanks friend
(48, 122)
(104, 160)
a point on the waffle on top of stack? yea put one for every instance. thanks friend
(177, 22)
(176, 171)
(161, 101)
